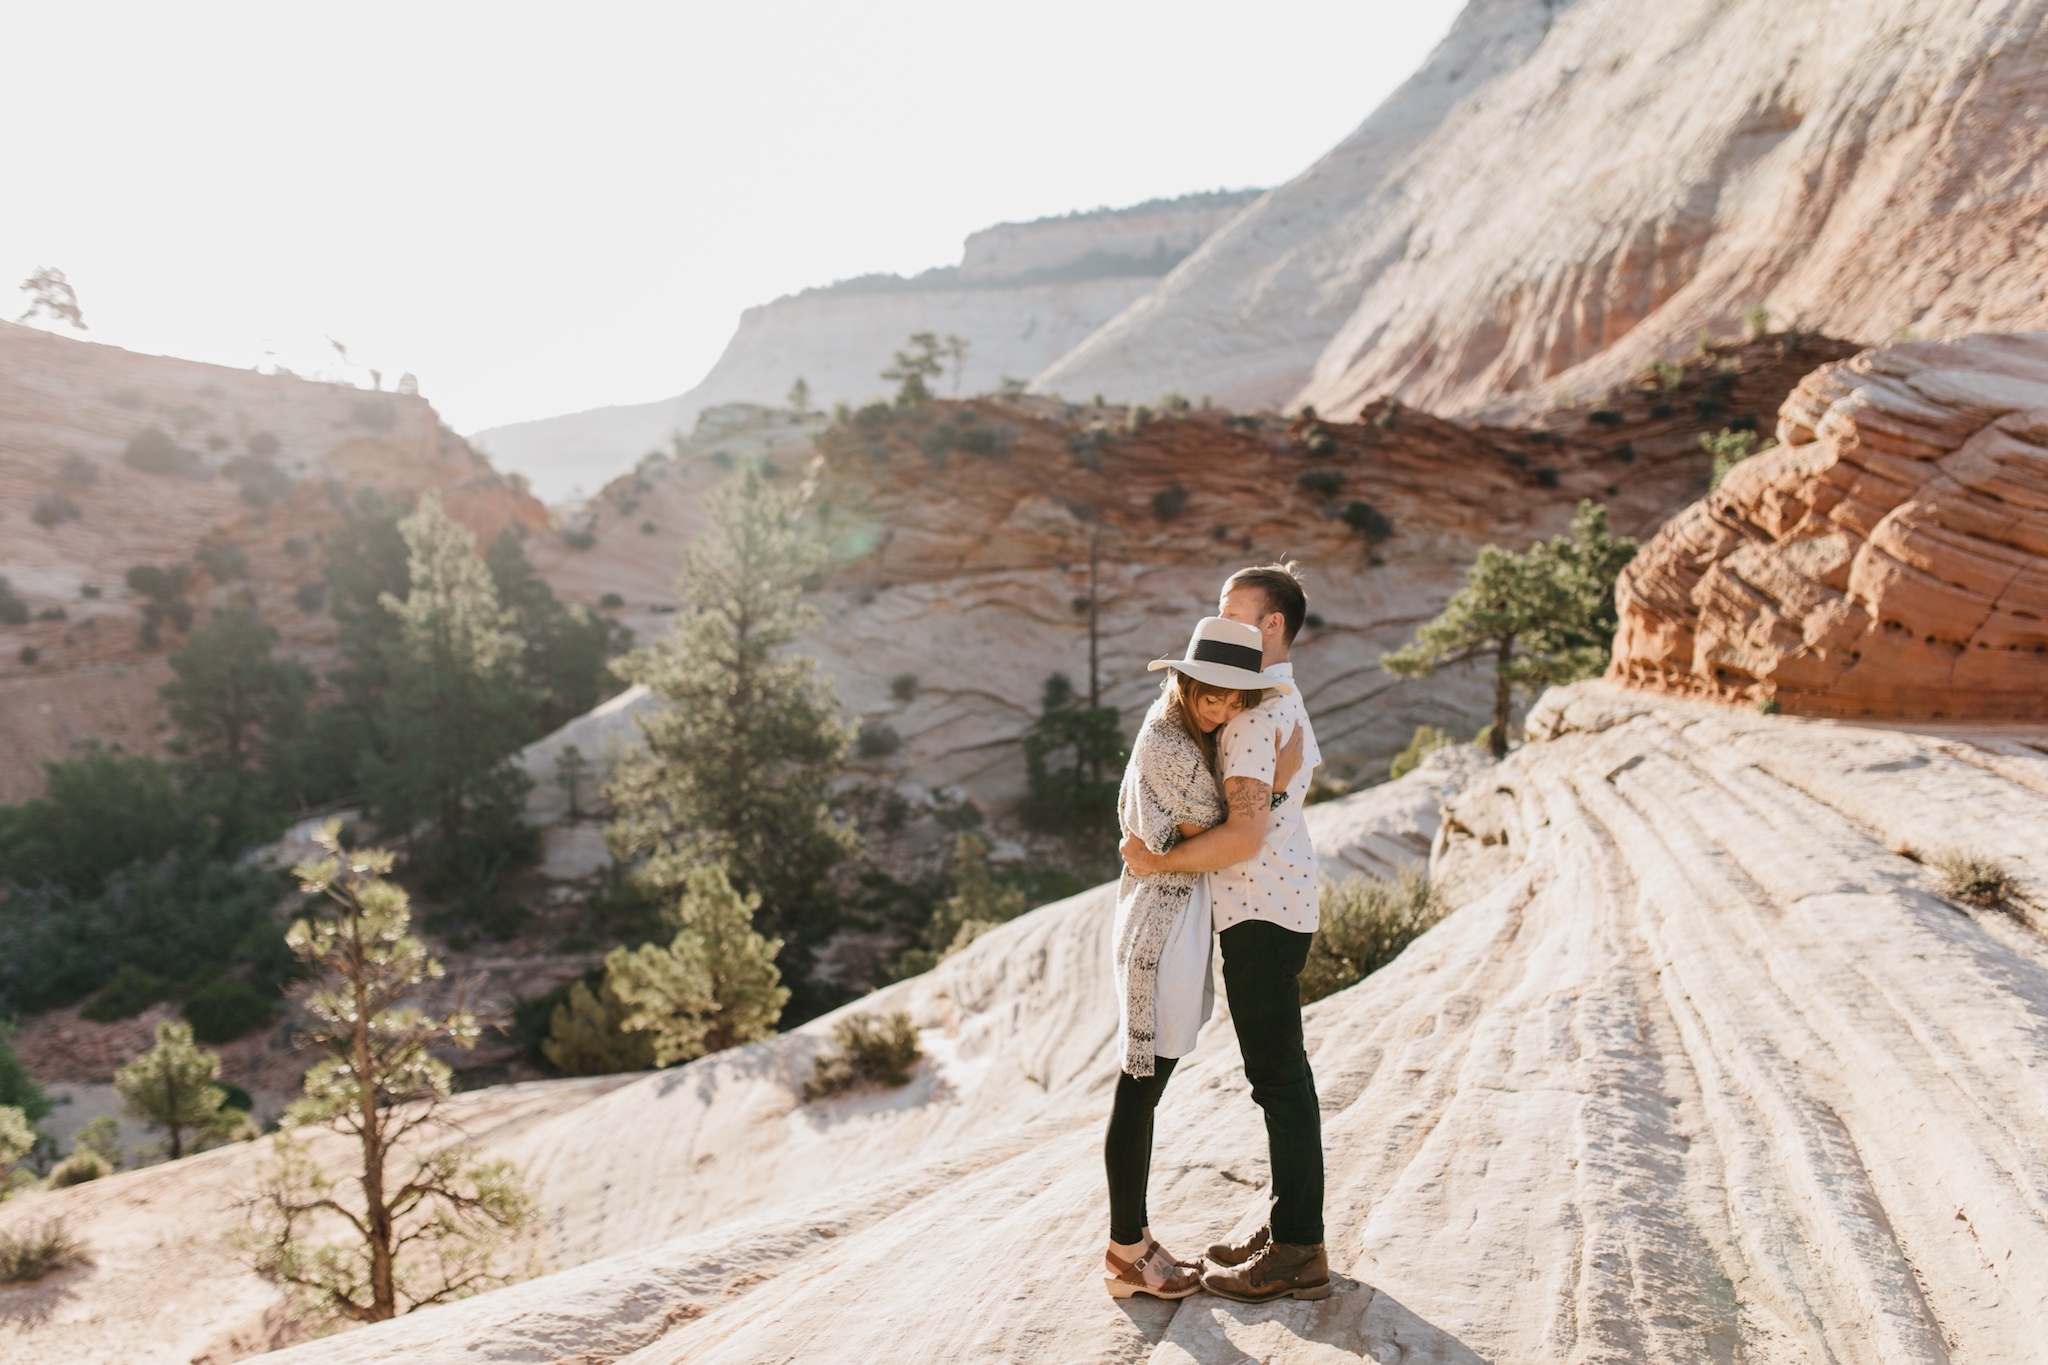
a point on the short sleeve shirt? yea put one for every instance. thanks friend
(1278, 883)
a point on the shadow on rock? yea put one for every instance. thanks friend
(1355, 1321)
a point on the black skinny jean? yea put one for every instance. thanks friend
(1127, 1151)
(1262, 965)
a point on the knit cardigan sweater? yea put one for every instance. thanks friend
(1167, 784)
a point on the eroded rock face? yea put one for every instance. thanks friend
(1889, 558)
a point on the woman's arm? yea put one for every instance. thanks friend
(1233, 841)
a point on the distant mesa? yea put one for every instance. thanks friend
(1889, 558)
(1022, 295)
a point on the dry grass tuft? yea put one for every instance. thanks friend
(34, 1250)
(1968, 875)
(1366, 922)
(880, 1051)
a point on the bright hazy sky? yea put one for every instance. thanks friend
(543, 208)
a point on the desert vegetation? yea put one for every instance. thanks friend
(1366, 923)
(866, 1051)
(1540, 618)
(422, 1219)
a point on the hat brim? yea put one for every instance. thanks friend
(1221, 675)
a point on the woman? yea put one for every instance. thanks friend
(1162, 937)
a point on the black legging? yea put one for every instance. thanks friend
(1127, 1152)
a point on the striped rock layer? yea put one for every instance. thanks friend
(1885, 559)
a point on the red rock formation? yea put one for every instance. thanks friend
(1889, 558)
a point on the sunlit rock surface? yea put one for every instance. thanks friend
(1702, 1069)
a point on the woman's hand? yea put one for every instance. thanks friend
(1288, 762)
(1142, 861)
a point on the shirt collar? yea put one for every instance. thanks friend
(1283, 669)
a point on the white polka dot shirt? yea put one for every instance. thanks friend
(1278, 883)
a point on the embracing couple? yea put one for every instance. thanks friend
(1215, 842)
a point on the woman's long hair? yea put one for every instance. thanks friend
(1181, 692)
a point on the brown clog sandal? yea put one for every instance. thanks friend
(1155, 1272)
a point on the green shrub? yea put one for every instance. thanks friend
(81, 1166)
(222, 560)
(579, 538)
(296, 547)
(1321, 444)
(310, 597)
(13, 611)
(33, 1250)
(132, 991)
(903, 687)
(1170, 501)
(261, 483)
(1368, 521)
(870, 1051)
(1662, 410)
(1669, 374)
(77, 471)
(1730, 447)
(1087, 446)
(877, 741)
(28, 654)
(53, 510)
(1324, 483)
(1137, 419)
(1606, 417)
(224, 1010)
(1425, 740)
(152, 451)
(262, 445)
(18, 1089)
(180, 918)
(1366, 922)
(1968, 875)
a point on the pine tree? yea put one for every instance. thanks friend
(585, 1037)
(738, 767)
(454, 713)
(17, 1139)
(800, 397)
(172, 1086)
(715, 985)
(1073, 761)
(1544, 617)
(563, 649)
(913, 367)
(432, 1219)
(239, 713)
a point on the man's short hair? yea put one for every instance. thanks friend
(1280, 585)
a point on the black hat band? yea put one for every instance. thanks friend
(1223, 652)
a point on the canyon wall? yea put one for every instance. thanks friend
(1023, 295)
(1565, 192)
(969, 573)
(78, 516)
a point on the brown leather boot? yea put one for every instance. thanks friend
(1278, 1270)
(1242, 1250)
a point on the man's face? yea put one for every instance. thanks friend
(1246, 606)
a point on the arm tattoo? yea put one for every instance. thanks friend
(1248, 797)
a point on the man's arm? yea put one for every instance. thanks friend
(1230, 843)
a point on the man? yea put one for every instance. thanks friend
(1266, 906)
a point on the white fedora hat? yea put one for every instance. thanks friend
(1223, 654)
